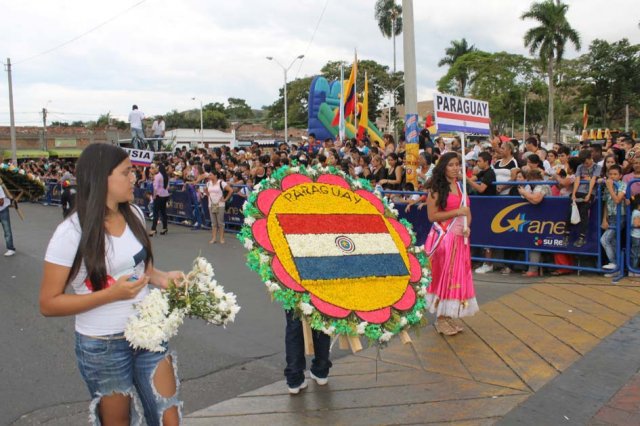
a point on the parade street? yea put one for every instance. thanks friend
(40, 379)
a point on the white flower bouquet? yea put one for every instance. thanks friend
(160, 314)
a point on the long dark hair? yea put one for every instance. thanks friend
(439, 183)
(163, 171)
(94, 167)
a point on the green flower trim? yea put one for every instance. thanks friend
(259, 260)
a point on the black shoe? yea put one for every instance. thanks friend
(164, 232)
(580, 242)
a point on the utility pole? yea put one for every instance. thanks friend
(12, 120)
(626, 118)
(409, 46)
(44, 129)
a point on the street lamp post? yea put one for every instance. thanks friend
(286, 128)
(201, 122)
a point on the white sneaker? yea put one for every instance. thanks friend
(633, 275)
(10, 253)
(610, 266)
(319, 381)
(611, 275)
(297, 389)
(484, 268)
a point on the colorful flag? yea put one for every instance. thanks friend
(585, 117)
(348, 103)
(364, 114)
(335, 246)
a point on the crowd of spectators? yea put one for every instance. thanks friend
(490, 162)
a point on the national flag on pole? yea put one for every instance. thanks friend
(585, 117)
(349, 100)
(428, 122)
(364, 115)
(335, 246)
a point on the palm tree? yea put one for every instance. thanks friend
(389, 17)
(549, 40)
(457, 49)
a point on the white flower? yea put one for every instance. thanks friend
(394, 211)
(264, 258)
(419, 314)
(360, 327)
(422, 291)
(272, 181)
(271, 286)
(425, 272)
(295, 169)
(249, 220)
(257, 186)
(390, 205)
(357, 184)
(306, 308)
(386, 336)
(328, 330)
(377, 193)
(248, 244)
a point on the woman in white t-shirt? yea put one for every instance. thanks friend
(216, 188)
(103, 252)
(505, 167)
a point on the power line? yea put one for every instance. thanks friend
(113, 18)
(312, 37)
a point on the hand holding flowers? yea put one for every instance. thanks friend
(196, 295)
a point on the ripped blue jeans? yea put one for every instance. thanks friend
(110, 366)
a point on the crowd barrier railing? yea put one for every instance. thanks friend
(631, 258)
(511, 223)
(186, 208)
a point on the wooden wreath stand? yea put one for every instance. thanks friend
(344, 342)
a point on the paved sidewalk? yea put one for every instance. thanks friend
(516, 346)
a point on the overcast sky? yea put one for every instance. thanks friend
(161, 53)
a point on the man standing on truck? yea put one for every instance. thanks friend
(136, 118)
(158, 133)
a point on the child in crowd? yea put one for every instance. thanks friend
(613, 196)
(635, 235)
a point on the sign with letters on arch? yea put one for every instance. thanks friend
(140, 157)
(456, 114)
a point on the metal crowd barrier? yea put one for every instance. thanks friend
(629, 261)
(596, 253)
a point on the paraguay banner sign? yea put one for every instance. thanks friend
(455, 114)
(516, 223)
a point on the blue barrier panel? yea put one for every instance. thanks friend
(509, 221)
(632, 246)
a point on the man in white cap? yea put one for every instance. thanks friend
(5, 220)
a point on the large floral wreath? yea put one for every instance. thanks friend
(333, 251)
(17, 180)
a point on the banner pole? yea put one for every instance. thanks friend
(464, 182)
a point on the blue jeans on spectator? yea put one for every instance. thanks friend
(608, 238)
(135, 134)
(109, 365)
(5, 219)
(635, 252)
(294, 348)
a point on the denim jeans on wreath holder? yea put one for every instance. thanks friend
(294, 349)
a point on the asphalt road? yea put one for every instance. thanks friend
(38, 375)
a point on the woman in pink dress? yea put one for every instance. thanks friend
(451, 293)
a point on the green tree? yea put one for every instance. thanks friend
(389, 17)
(238, 109)
(297, 105)
(502, 79)
(458, 49)
(549, 41)
(612, 72)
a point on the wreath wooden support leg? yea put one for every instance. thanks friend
(343, 342)
(354, 343)
(308, 337)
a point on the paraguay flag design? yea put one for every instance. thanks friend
(347, 246)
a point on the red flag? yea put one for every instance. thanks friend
(429, 121)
